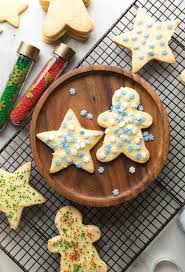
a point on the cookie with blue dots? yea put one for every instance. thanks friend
(148, 40)
(123, 124)
(71, 144)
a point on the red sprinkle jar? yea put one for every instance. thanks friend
(62, 54)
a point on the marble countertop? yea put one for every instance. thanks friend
(171, 242)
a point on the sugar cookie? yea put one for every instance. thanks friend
(71, 144)
(10, 10)
(45, 3)
(67, 16)
(183, 76)
(16, 193)
(123, 125)
(148, 40)
(75, 243)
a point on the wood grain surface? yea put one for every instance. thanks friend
(95, 87)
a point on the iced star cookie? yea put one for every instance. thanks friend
(123, 125)
(16, 193)
(71, 144)
(75, 243)
(183, 76)
(148, 40)
(67, 16)
(10, 10)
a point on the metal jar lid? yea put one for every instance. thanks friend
(28, 50)
(64, 52)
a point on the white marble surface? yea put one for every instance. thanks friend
(171, 242)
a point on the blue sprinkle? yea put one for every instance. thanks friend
(146, 35)
(101, 170)
(140, 108)
(116, 130)
(68, 160)
(119, 143)
(170, 26)
(141, 56)
(127, 140)
(143, 42)
(140, 22)
(87, 141)
(145, 133)
(80, 154)
(104, 117)
(108, 146)
(119, 133)
(159, 36)
(164, 52)
(135, 46)
(58, 162)
(82, 132)
(72, 91)
(134, 37)
(131, 95)
(151, 53)
(162, 43)
(46, 140)
(149, 25)
(138, 155)
(130, 148)
(78, 164)
(64, 125)
(125, 130)
(137, 147)
(54, 146)
(125, 39)
(130, 132)
(123, 92)
(69, 117)
(151, 45)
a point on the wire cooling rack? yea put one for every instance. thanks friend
(126, 229)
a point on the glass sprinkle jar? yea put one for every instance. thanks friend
(27, 55)
(50, 72)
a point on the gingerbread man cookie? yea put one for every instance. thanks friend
(123, 125)
(67, 16)
(16, 193)
(75, 243)
(148, 40)
(10, 10)
(71, 144)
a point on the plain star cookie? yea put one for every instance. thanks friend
(71, 144)
(75, 243)
(67, 16)
(183, 76)
(148, 40)
(123, 125)
(16, 193)
(10, 10)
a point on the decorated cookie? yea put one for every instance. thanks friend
(69, 16)
(123, 125)
(10, 10)
(16, 193)
(75, 243)
(148, 40)
(71, 144)
(183, 76)
(45, 3)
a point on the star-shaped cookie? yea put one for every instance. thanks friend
(10, 10)
(16, 193)
(75, 243)
(71, 144)
(123, 125)
(148, 40)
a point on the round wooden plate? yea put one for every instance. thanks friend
(95, 87)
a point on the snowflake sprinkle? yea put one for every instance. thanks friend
(132, 169)
(148, 137)
(89, 116)
(101, 170)
(115, 192)
(72, 91)
(140, 108)
(83, 113)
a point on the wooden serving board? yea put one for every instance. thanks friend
(95, 87)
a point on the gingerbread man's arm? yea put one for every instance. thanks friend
(93, 233)
(145, 120)
(53, 244)
(104, 119)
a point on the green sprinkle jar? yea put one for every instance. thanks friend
(27, 55)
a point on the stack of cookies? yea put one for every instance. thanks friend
(66, 16)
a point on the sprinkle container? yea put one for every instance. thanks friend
(27, 55)
(50, 72)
